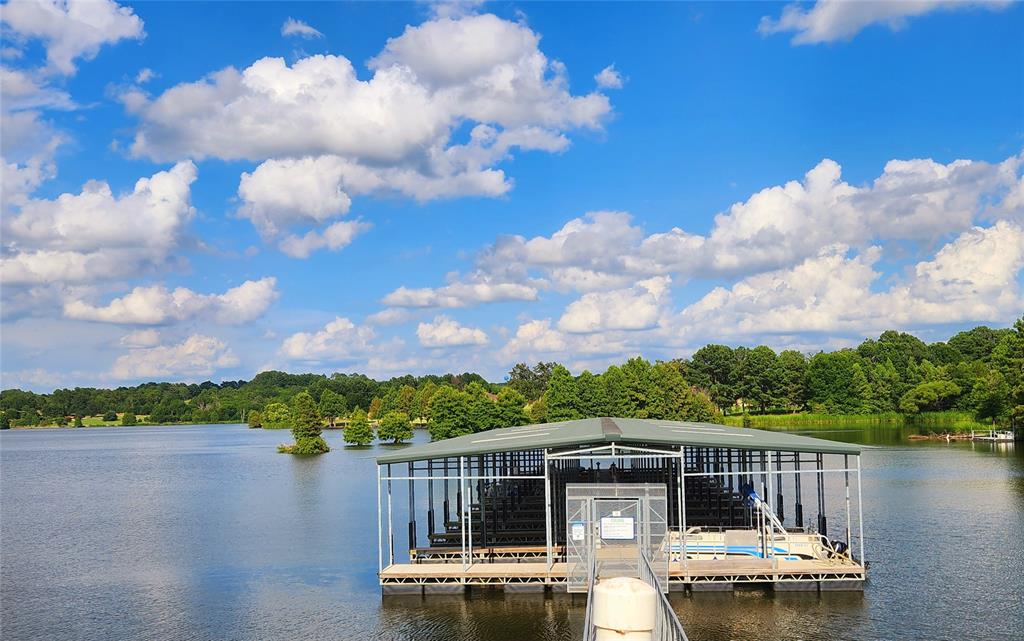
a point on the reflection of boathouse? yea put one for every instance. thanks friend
(539, 506)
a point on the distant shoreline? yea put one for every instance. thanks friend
(951, 421)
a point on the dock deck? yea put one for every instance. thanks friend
(695, 572)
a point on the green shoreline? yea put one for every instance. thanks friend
(950, 421)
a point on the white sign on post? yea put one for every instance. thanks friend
(618, 528)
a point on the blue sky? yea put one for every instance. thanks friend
(412, 187)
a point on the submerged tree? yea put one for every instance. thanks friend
(306, 427)
(395, 427)
(254, 419)
(358, 431)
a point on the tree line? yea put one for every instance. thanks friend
(980, 371)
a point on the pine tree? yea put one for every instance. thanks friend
(483, 413)
(637, 374)
(395, 426)
(591, 394)
(616, 400)
(562, 396)
(864, 393)
(306, 427)
(358, 431)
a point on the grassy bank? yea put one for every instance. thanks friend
(939, 421)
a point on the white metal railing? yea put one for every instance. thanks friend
(667, 626)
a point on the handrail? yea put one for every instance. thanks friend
(589, 629)
(667, 626)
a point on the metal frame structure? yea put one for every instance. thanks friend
(485, 481)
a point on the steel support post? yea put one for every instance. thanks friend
(380, 528)
(391, 533)
(547, 511)
(860, 517)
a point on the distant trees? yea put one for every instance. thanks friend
(395, 427)
(276, 416)
(984, 364)
(375, 408)
(932, 396)
(531, 382)
(128, 418)
(511, 408)
(449, 414)
(562, 396)
(358, 431)
(713, 369)
(110, 415)
(332, 405)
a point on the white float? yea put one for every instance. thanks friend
(625, 609)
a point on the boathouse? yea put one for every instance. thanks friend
(545, 507)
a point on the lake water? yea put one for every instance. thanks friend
(206, 533)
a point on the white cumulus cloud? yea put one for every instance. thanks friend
(833, 20)
(447, 332)
(155, 304)
(141, 338)
(634, 308)
(335, 237)
(340, 340)
(97, 234)
(197, 355)
(609, 78)
(71, 29)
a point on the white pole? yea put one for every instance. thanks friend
(547, 511)
(469, 517)
(380, 528)
(391, 534)
(462, 517)
(771, 506)
(860, 515)
(682, 511)
(849, 522)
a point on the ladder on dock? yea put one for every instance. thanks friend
(667, 626)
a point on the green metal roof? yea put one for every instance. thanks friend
(596, 431)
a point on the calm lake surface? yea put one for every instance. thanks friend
(206, 533)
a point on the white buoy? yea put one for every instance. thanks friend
(625, 609)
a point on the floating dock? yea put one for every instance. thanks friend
(531, 508)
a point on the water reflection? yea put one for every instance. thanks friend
(207, 533)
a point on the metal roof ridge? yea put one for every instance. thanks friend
(610, 429)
